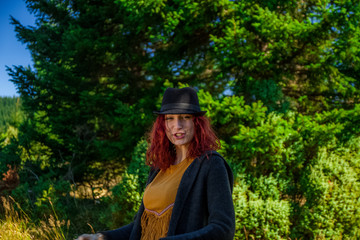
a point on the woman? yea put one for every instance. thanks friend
(188, 193)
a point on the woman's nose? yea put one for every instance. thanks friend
(178, 124)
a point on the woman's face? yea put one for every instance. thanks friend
(179, 129)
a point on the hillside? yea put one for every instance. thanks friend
(9, 107)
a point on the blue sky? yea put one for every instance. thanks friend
(12, 52)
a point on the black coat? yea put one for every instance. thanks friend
(203, 206)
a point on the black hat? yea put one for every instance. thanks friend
(180, 101)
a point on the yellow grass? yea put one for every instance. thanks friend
(16, 225)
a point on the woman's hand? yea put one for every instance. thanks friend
(97, 236)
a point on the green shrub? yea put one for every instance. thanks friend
(43, 198)
(296, 176)
(332, 193)
(126, 195)
(259, 218)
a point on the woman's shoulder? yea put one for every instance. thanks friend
(213, 159)
(216, 166)
(212, 156)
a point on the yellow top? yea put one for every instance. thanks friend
(159, 198)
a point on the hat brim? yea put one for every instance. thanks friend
(179, 111)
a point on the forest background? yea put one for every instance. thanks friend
(280, 81)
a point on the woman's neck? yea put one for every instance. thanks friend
(181, 153)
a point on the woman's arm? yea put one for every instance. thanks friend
(120, 233)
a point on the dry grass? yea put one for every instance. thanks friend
(16, 224)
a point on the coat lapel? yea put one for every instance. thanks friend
(183, 191)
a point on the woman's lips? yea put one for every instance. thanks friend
(179, 135)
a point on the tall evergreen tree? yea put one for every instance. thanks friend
(101, 65)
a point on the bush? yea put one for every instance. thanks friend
(126, 195)
(260, 218)
(332, 193)
(43, 198)
(296, 176)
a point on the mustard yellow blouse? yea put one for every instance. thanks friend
(159, 198)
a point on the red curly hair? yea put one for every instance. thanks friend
(161, 152)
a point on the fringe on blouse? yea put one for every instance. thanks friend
(155, 226)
